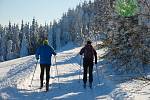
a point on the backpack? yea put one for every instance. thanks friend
(88, 52)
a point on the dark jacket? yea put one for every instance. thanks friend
(89, 53)
(45, 52)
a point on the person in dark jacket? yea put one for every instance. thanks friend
(44, 52)
(89, 54)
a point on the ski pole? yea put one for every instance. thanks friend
(33, 73)
(97, 74)
(57, 71)
(102, 76)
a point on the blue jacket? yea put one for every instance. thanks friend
(44, 52)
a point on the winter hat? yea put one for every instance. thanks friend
(89, 42)
(45, 42)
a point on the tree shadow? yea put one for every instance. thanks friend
(71, 89)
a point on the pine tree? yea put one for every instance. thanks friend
(9, 55)
(33, 36)
(24, 46)
(50, 34)
(16, 41)
(1, 43)
(58, 43)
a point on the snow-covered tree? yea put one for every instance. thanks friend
(50, 35)
(33, 36)
(127, 41)
(1, 43)
(9, 50)
(16, 41)
(58, 43)
(4, 44)
(24, 47)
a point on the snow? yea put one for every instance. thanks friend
(16, 75)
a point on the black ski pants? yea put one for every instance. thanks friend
(87, 66)
(43, 67)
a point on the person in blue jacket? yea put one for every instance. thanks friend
(44, 52)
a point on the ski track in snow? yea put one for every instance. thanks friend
(17, 75)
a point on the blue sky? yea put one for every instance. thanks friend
(42, 10)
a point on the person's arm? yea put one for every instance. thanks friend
(37, 53)
(95, 54)
(81, 51)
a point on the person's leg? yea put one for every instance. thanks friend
(84, 73)
(90, 74)
(41, 75)
(47, 76)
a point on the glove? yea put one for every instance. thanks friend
(37, 58)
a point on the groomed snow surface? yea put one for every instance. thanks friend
(16, 75)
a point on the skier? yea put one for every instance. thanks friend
(44, 52)
(89, 54)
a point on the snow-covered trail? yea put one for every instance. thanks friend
(13, 72)
(15, 82)
(69, 86)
